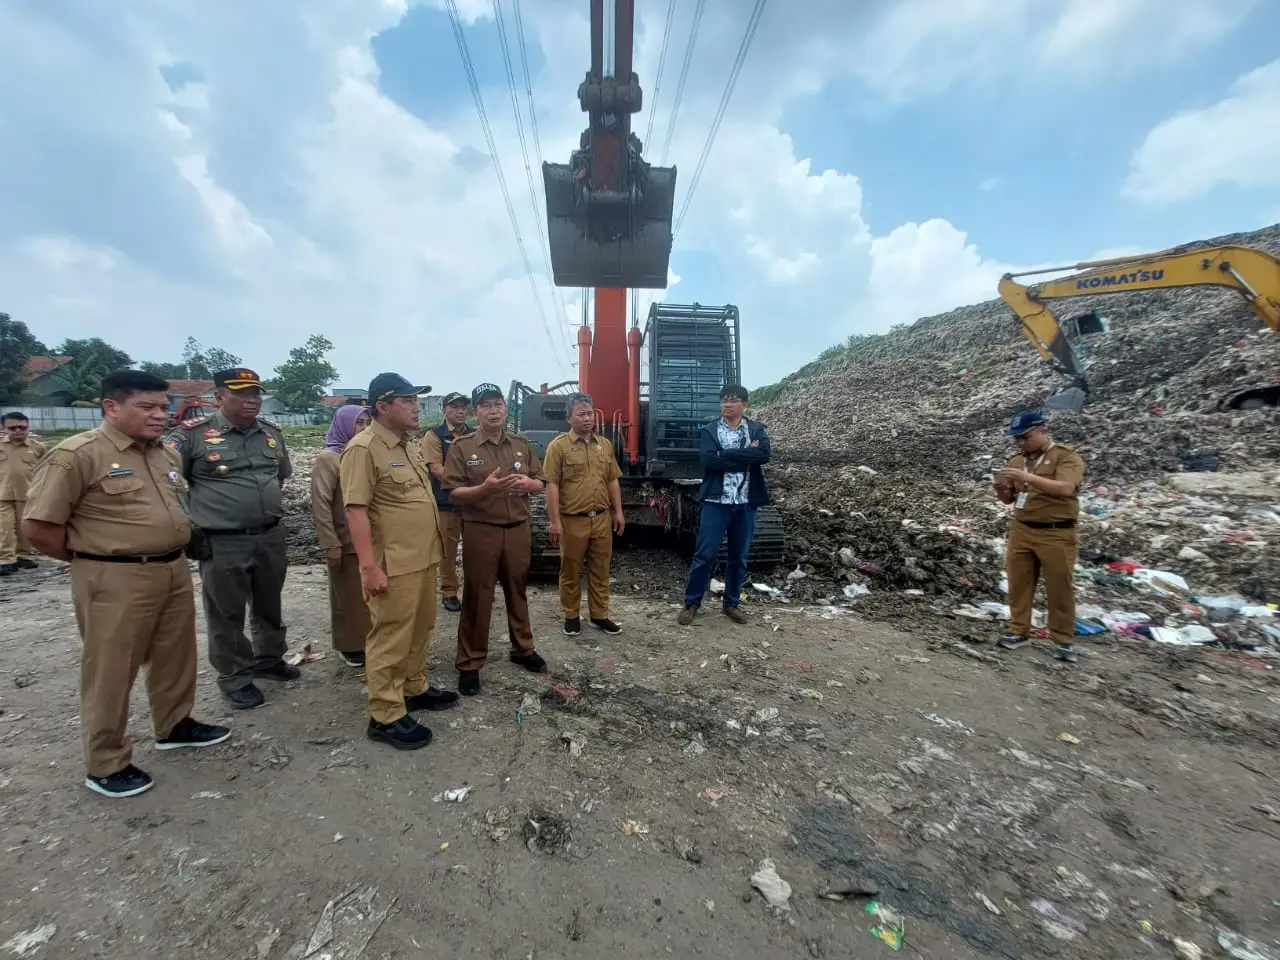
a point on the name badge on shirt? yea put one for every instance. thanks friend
(1021, 501)
(122, 472)
(399, 463)
(475, 462)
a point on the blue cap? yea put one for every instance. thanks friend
(1024, 421)
(485, 391)
(388, 386)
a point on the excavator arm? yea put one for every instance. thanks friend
(1255, 274)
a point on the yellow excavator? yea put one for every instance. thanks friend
(1253, 273)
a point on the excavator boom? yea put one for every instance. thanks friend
(1253, 273)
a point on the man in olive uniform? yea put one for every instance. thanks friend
(1043, 483)
(435, 448)
(18, 457)
(236, 464)
(582, 474)
(489, 475)
(394, 525)
(108, 501)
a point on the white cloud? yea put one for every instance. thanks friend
(1234, 141)
(989, 184)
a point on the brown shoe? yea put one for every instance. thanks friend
(734, 614)
(686, 616)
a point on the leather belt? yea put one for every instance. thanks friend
(1048, 524)
(500, 526)
(589, 513)
(116, 558)
(243, 531)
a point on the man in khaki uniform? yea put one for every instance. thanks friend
(582, 474)
(18, 456)
(435, 447)
(109, 502)
(395, 530)
(489, 475)
(1043, 483)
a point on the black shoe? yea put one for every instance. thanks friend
(533, 663)
(468, 682)
(246, 698)
(192, 733)
(607, 625)
(277, 671)
(452, 604)
(26, 563)
(9, 569)
(572, 626)
(128, 782)
(431, 699)
(352, 659)
(404, 734)
(1012, 641)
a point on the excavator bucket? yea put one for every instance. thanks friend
(609, 244)
(1071, 400)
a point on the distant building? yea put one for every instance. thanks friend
(42, 387)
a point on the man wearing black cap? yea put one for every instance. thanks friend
(489, 475)
(395, 529)
(435, 448)
(1042, 482)
(236, 463)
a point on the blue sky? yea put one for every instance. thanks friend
(255, 173)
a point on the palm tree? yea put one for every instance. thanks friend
(80, 378)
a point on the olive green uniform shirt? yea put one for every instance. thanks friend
(235, 473)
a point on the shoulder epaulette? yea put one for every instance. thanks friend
(195, 422)
(79, 440)
(271, 423)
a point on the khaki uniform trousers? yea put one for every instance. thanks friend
(589, 539)
(12, 542)
(451, 534)
(132, 614)
(1033, 554)
(395, 650)
(492, 555)
(348, 614)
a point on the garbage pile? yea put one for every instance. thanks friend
(885, 452)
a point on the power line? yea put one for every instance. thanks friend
(684, 76)
(662, 62)
(468, 67)
(753, 22)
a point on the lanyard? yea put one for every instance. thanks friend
(1028, 466)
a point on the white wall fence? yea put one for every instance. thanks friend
(48, 419)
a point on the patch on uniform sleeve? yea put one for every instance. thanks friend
(175, 443)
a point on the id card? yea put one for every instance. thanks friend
(1021, 501)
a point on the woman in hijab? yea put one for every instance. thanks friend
(348, 615)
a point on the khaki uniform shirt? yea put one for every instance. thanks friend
(17, 461)
(116, 496)
(386, 474)
(432, 448)
(326, 504)
(1059, 462)
(235, 472)
(583, 470)
(472, 458)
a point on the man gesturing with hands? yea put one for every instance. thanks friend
(489, 475)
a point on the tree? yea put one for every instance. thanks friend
(201, 364)
(102, 353)
(80, 378)
(17, 346)
(301, 380)
(170, 371)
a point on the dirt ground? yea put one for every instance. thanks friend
(623, 808)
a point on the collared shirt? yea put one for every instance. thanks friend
(472, 458)
(1059, 462)
(327, 512)
(432, 448)
(235, 472)
(582, 468)
(733, 438)
(116, 496)
(17, 461)
(384, 473)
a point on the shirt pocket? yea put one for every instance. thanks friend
(217, 460)
(574, 467)
(406, 482)
(122, 498)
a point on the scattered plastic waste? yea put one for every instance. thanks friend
(889, 927)
(303, 655)
(1057, 924)
(767, 590)
(854, 590)
(1242, 948)
(1162, 582)
(530, 705)
(775, 890)
(717, 586)
(631, 828)
(29, 941)
(1068, 738)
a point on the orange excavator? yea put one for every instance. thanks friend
(609, 227)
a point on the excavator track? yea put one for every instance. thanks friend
(545, 560)
(766, 543)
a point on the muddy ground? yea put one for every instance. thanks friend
(623, 810)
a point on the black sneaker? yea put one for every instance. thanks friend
(246, 698)
(9, 569)
(468, 682)
(192, 733)
(279, 670)
(431, 699)
(352, 659)
(404, 734)
(607, 625)
(1013, 641)
(26, 563)
(572, 626)
(532, 662)
(452, 604)
(128, 782)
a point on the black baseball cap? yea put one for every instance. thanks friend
(388, 386)
(451, 398)
(484, 391)
(237, 378)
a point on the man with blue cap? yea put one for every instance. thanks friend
(1042, 482)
